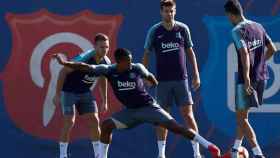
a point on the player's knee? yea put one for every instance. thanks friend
(242, 121)
(93, 120)
(107, 126)
(68, 123)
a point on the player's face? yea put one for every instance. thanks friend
(168, 13)
(125, 63)
(102, 47)
(231, 18)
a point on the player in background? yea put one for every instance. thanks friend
(73, 92)
(171, 42)
(250, 40)
(126, 79)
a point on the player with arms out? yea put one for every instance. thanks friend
(73, 92)
(126, 79)
(250, 40)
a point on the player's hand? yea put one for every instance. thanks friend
(56, 100)
(196, 83)
(59, 58)
(248, 88)
(103, 107)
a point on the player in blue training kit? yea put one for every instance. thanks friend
(73, 92)
(126, 79)
(171, 42)
(250, 40)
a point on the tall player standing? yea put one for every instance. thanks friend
(73, 92)
(171, 42)
(250, 40)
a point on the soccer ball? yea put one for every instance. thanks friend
(242, 153)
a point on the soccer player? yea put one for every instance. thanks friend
(250, 40)
(171, 42)
(73, 92)
(126, 79)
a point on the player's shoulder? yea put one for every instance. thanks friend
(138, 66)
(106, 60)
(154, 27)
(89, 52)
(242, 25)
(182, 25)
(258, 25)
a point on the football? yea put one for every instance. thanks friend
(242, 153)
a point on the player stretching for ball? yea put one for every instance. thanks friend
(73, 93)
(250, 39)
(126, 79)
(171, 42)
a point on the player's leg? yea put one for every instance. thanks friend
(164, 97)
(242, 112)
(187, 114)
(88, 109)
(121, 120)
(156, 115)
(184, 100)
(67, 102)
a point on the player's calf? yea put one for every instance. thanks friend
(173, 126)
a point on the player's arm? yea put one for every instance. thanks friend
(271, 49)
(60, 81)
(73, 65)
(192, 58)
(152, 79)
(245, 59)
(103, 92)
(148, 76)
(145, 59)
(148, 47)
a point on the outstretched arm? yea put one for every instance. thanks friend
(73, 65)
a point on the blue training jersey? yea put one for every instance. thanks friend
(78, 81)
(128, 86)
(169, 47)
(253, 37)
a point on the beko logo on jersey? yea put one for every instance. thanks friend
(169, 46)
(254, 44)
(88, 79)
(126, 85)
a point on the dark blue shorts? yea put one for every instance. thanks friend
(129, 118)
(170, 91)
(84, 103)
(244, 101)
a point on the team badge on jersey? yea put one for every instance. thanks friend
(29, 78)
(132, 75)
(178, 35)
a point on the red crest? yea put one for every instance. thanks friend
(30, 75)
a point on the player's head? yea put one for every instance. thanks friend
(233, 10)
(123, 58)
(167, 10)
(101, 44)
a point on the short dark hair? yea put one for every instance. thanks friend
(100, 37)
(233, 7)
(167, 3)
(120, 53)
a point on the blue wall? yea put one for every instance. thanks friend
(211, 37)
